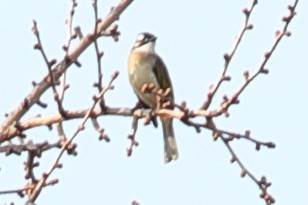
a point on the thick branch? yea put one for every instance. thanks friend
(8, 125)
(78, 114)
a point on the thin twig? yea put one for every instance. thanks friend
(38, 188)
(51, 78)
(132, 137)
(18, 149)
(70, 36)
(99, 54)
(261, 69)
(228, 56)
(23, 191)
(101, 131)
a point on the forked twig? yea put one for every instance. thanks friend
(228, 57)
(38, 188)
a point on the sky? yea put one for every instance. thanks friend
(192, 38)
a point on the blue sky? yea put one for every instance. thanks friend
(192, 38)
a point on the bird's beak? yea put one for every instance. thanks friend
(154, 38)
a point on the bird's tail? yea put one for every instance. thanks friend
(171, 150)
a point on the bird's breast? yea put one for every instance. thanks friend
(140, 71)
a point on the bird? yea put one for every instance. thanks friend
(145, 67)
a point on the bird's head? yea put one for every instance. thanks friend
(145, 43)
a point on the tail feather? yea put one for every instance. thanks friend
(171, 150)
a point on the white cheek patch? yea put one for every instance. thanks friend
(137, 44)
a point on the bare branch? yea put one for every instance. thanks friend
(132, 137)
(67, 145)
(228, 57)
(58, 71)
(260, 70)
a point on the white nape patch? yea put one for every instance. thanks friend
(148, 47)
(140, 37)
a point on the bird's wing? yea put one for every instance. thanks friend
(161, 73)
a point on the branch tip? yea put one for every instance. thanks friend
(249, 27)
(227, 57)
(243, 173)
(246, 11)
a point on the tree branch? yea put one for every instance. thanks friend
(8, 125)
